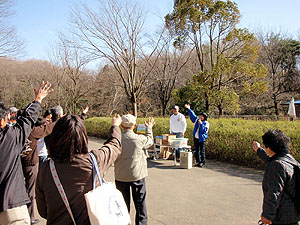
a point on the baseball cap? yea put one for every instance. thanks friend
(128, 120)
(13, 109)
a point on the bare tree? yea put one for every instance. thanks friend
(107, 95)
(10, 44)
(167, 69)
(115, 32)
(279, 55)
(71, 78)
(18, 78)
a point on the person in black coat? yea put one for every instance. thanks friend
(279, 186)
(13, 195)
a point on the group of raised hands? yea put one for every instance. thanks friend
(117, 120)
(45, 89)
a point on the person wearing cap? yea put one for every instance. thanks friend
(131, 166)
(12, 116)
(177, 123)
(177, 126)
(279, 181)
(200, 134)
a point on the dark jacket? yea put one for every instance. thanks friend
(76, 179)
(12, 139)
(279, 180)
(38, 132)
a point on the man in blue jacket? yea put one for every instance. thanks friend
(200, 135)
(13, 195)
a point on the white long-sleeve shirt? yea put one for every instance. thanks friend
(177, 123)
(42, 150)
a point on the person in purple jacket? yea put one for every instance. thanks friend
(200, 135)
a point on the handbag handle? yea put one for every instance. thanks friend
(60, 188)
(95, 168)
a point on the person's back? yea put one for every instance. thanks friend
(74, 168)
(285, 211)
(11, 175)
(278, 184)
(131, 165)
(76, 180)
(13, 195)
(30, 162)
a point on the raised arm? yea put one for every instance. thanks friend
(26, 121)
(147, 139)
(260, 151)
(193, 116)
(111, 149)
(84, 113)
(43, 130)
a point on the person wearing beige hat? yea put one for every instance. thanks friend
(131, 166)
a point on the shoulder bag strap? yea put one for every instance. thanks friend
(95, 168)
(60, 188)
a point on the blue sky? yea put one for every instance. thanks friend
(38, 21)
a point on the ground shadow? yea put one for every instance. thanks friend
(163, 164)
(235, 170)
(222, 167)
(230, 169)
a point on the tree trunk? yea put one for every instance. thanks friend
(206, 103)
(163, 108)
(220, 108)
(275, 105)
(135, 112)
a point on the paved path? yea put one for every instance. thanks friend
(218, 194)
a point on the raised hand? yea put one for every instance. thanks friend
(85, 110)
(42, 92)
(117, 120)
(150, 122)
(256, 145)
(187, 106)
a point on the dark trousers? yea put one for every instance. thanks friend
(138, 190)
(199, 150)
(30, 174)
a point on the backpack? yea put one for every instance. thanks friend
(296, 166)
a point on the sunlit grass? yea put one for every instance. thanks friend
(229, 139)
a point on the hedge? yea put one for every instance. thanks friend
(229, 140)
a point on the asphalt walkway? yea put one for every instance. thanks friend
(218, 194)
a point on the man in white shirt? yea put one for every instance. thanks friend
(177, 123)
(177, 126)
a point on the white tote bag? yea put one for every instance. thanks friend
(105, 204)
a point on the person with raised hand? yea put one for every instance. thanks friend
(131, 166)
(200, 134)
(68, 150)
(13, 195)
(279, 183)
